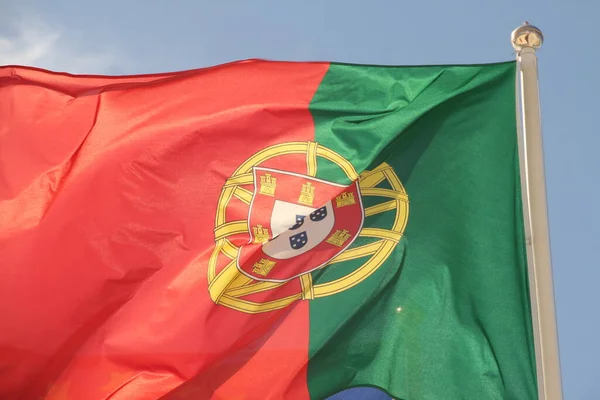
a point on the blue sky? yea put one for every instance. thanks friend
(126, 37)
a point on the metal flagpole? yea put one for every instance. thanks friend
(526, 39)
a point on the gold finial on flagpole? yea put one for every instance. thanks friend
(527, 35)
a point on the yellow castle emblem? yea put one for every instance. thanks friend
(345, 199)
(263, 267)
(307, 194)
(339, 238)
(268, 184)
(261, 235)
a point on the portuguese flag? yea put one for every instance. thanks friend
(263, 230)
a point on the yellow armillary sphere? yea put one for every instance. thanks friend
(275, 226)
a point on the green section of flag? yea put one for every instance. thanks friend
(447, 316)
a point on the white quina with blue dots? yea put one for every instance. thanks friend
(298, 229)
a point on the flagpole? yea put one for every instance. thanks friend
(526, 39)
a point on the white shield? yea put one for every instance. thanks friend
(287, 242)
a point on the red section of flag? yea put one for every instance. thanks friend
(108, 191)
